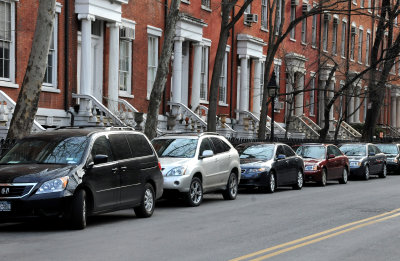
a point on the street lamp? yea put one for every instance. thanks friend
(273, 89)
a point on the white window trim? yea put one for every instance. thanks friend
(360, 43)
(343, 40)
(206, 43)
(156, 33)
(128, 92)
(313, 76)
(53, 87)
(314, 25)
(225, 65)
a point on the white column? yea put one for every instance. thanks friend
(357, 105)
(195, 98)
(299, 103)
(113, 65)
(351, 107)
(176, 95)
(244, 85)
(393, 115)
(257, 91)
(398, 112)
(86, 62)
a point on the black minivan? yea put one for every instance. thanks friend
(76, 172)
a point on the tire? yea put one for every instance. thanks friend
(78, 215)
(270, 184)
(231, 191)
(323, 178)
(299, 181)
(147, 204)
(195, 195)
(383, 174)
(366, 173)
(345, 177)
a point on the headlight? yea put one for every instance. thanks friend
(355, 163)
(256, 170)
(178, 171)
(394, 160)
(311, 167)
(54, 185)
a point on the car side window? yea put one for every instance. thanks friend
(370, 149)
(120, 146)
(101, 146)
(218, 145)
(288, 151)
(280, 151)
(336, 151)
(376, 149)
(205, 145)
(140, 147)
(226, 146)
(330, 151)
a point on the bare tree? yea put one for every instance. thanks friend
(28, 99)
(162, 71)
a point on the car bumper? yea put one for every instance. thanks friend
(393, 167)
(255, 180)
(315, 176)
(356, 171)
(179, 183)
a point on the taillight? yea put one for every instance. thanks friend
(159, 165)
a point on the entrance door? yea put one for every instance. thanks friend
(97, 60)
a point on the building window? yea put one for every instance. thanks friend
(314, 31)
(152, 63)
(352, 42)
(360, 41)
(292, 17)
(343, 40)
(206, 3)
(312, 95)
(7, 40)
(248, 9)
(334, 36)
(50, 76)
(204, 73)
(369, 6)
(325, 35)
(223, 81)
(279, 15)
(304, 30)
(264, 14)
(125, 65)
(277, 69)
(362, 3)
(262, 71)
(367, 43)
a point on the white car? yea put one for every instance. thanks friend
(194, 164)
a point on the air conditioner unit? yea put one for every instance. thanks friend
(251, 18)
(127, 33)
(306, 8)
(327, 17)
(294, 2)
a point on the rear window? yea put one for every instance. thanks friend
(139, 145)
(120, 146)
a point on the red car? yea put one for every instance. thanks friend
(323, 162)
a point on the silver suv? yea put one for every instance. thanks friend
(195, 164)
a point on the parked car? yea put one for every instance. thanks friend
(365, 159)
(392, 152)
(194, 164)
(75, 173)
(269, 165)
(323, 162)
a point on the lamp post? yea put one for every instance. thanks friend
(272, 93)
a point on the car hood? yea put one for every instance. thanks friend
(312, 161)
(251, 163)
(391, 155)
(33, 173)
(169, 163)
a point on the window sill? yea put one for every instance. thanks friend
(313, 46)
(222, 104)
(292, 39)
(126, 95)
(9, 84)
(264, 29)
(311, 115)
(303, 43)
(360, 62)
(325, 51)
(186, 2)
(205, 8)
(343, 57)
(204, 102)
(50, 89)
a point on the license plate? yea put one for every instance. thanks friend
(5, 206)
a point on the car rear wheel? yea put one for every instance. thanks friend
(366, 172)
(383, 174)
(344, 178)
(323, 178)
(195, 195)
(231, 190)
(270, 184)
(78, 213)
(147, 203)
(299, 182)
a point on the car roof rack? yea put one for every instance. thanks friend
(95, 127)
(189, 133)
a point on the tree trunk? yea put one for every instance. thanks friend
(162, 71)
(28, 99)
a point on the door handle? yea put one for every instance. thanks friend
(114, 170)
(124, 168)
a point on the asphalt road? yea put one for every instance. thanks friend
(357, 221)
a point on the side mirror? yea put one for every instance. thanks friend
(371, 154)
(331, 156)
(99, 159)
(281, 157)
(207, 154)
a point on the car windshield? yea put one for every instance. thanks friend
(175, 148)
(61, 150)
(312, 152)
(261, 152)
(388, 148)
(353, 150)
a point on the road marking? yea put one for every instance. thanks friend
(363, 223)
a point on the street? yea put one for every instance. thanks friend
(337, 222)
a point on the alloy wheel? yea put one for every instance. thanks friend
(196, 192)
(233, 186)
(148, 200)
(272, 183)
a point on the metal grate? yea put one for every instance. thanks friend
(14, 191)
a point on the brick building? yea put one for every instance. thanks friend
(104, 56)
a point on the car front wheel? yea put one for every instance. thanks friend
(299, 181)
(323, 178)
(383, 174)
(344, 178)
(79, 210)
(231, 190)
(366, 172)
(147, 203)
(195, 195)
(270, 184)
